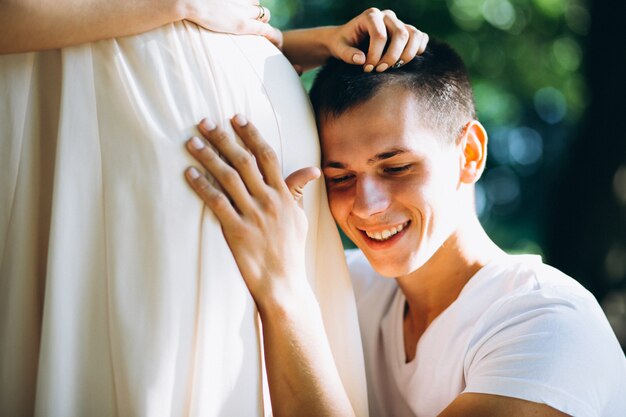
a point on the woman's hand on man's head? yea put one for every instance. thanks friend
(383, 28)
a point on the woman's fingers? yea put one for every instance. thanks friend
(416, 45)
(399, 37)
(423, 43)
(351, 55)
(406, 43)
(377, 32)
(251, 19)
(412, 47)
(391, 42)
(260, 13)
(298, 69)
(273, 35)
(237, 17)
(228, 178)
(266, 158)
(256, 27)
(213, 198)
(403, 42)
(240, 19)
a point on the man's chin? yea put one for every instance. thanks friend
(391, 269)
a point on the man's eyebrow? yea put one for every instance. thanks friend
(378, 157)
(333, 164)
(386, 155)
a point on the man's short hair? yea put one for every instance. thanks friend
(437, 78)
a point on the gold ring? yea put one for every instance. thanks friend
(261, 12)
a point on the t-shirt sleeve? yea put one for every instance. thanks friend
(543, 348)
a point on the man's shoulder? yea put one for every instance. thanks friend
(520, 293)
(520, 277)
(527, 297)
(544, 330)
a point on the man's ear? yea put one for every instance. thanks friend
(473, 146)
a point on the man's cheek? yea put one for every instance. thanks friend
(338, 210)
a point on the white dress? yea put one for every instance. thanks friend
(118, 294)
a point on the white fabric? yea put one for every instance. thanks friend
(118, 294)
(519, 329)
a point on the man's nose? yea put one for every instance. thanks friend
(370, 198)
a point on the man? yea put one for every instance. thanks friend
(464, 329)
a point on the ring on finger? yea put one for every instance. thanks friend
(398, 64)
(261, 14)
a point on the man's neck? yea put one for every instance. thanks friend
(437, 284)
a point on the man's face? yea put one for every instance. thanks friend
(392, 184)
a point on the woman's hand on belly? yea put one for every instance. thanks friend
(242, 17)
(33, 25)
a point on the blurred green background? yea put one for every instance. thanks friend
(548, 79)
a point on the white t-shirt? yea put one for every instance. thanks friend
(519, 328)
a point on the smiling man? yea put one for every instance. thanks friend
(463, 326)
(451, 325)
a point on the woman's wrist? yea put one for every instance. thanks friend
(320, 40)
(309, 48)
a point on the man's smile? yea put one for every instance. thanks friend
(382, 237)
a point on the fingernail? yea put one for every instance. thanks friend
(197, 143)
(358, 59)
(208, 125)
(193, 173)
(382, 67)
(241, 120)
(368, 68)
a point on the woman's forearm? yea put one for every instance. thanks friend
(308, 48)
(390, 42)
(302, 375)
(32, 25)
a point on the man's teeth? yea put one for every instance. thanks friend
(387, 233)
